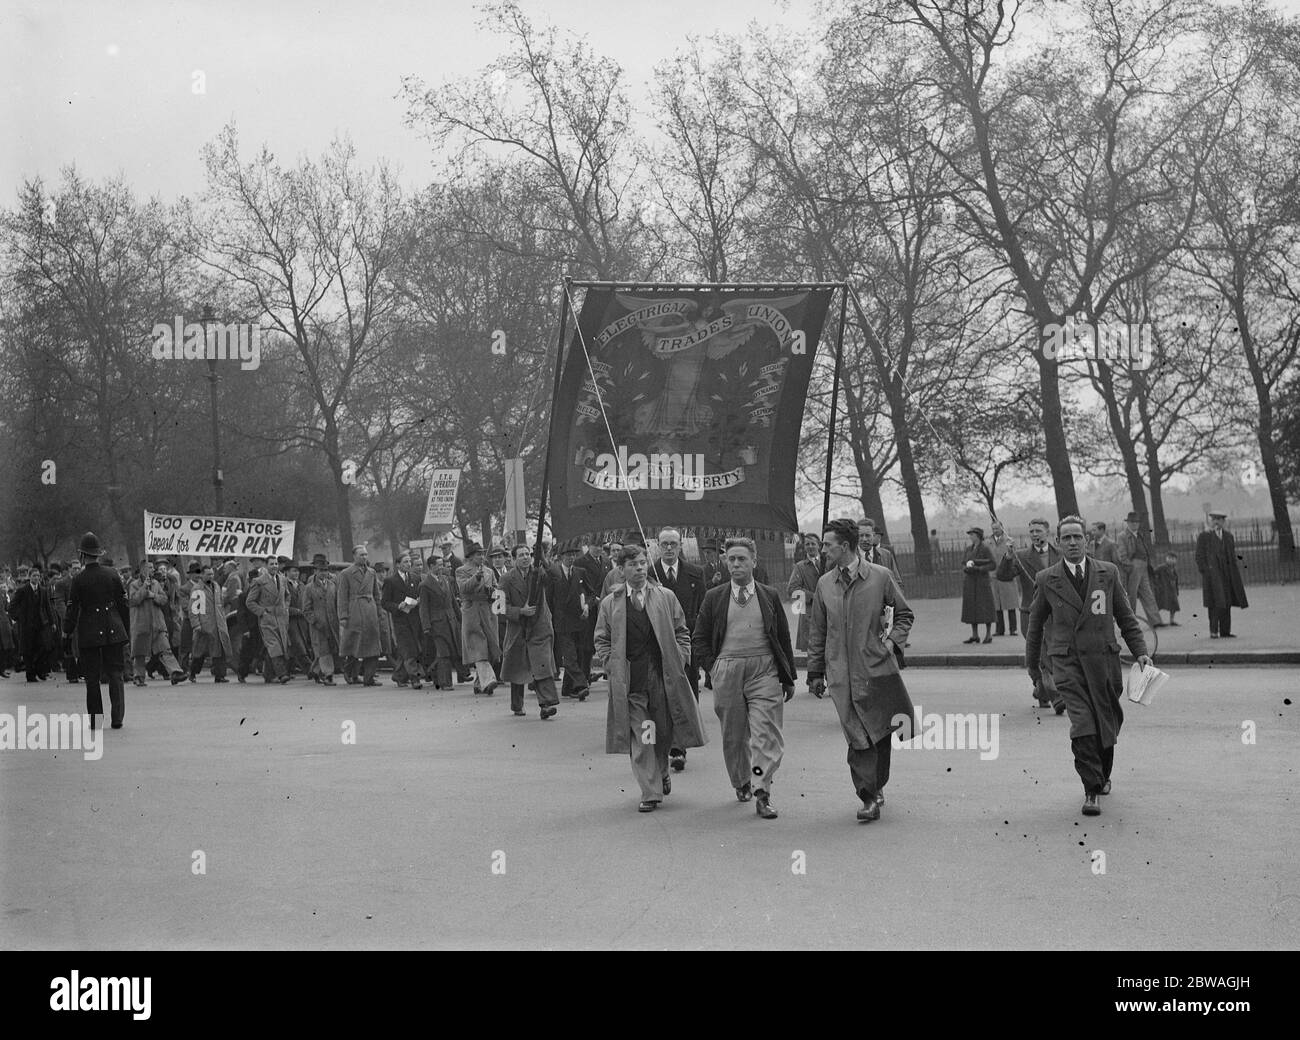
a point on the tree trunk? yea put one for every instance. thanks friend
(1127, 449)
(1265, 429)
(863, 461)
(342, 507)
(1057, 450)
(1155, 473)
(911, 485)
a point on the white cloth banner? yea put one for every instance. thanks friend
(168, 534)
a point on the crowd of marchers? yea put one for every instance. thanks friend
(554, 619)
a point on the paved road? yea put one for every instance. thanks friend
(390, 842)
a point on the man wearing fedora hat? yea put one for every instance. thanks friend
(481, 645)
(321, 609)
(99, 620)
(1221, 584)
(1133, 554)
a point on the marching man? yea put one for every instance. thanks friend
(1083, 598)
(742, 639)
(642, 644)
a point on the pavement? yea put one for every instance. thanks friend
(1268, 632)
(238, 817)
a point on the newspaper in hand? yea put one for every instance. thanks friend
(1143, 683)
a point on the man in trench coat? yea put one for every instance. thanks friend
(321, 609)
(210, 637)
(1083, 599)
(477, 584)
(1221, 584)
(358, 609)
(850, 657)
(528, 657)
(643, 644)
(267, 602)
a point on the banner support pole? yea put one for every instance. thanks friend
(835, 397)
(550, 435)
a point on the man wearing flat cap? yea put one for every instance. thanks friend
(714, 571)
(1133, 554)
(1221, 584)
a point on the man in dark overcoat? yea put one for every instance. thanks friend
(1083, 599)
(527, 655)
(401, 599)
(1221, 584)
(99, 619)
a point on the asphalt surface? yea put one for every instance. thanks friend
(309, 842)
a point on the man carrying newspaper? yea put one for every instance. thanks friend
(1084, 598)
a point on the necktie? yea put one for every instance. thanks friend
(742, 595)
(672, 575)
(636, 599)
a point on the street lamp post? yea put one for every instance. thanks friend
(209, 319)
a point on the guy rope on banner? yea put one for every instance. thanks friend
(600, 399)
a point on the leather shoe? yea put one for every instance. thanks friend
(1105, 788)
(763, 806)
(582, 694)
(647, 806)
(678, 762)
(880, 799)
(869, 812)
(177, 677)
(972, 639)
(116, 725)
(744, 794)
(668, 784)
(490, 688)
(549, 713)
(988, 638)
(521, 713)
(1090, 806)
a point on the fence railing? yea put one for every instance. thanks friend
(1257, 557)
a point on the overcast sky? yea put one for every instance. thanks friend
(108, 84)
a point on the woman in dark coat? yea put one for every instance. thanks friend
(976, 593)
(6, 627)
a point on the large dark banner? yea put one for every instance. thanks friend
(703, 391)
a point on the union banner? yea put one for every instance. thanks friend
(690, 401)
